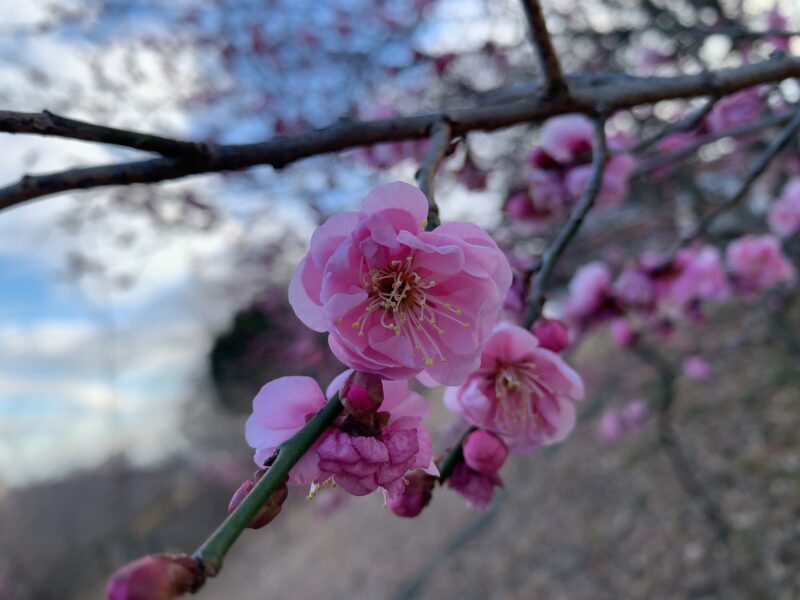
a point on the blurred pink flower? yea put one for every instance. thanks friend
(484, 452)
(395, 299)
(635, 414)
(589, 291)
(567, 138)
(476, 488)
(471, 175)
(696, 367)
(777, 20)
(610, 427)
(614, 424)
(695, 274)
(521, 391)
(784, 214)
(735, 110)
(622, 333)
(614, 186)
(758, 263)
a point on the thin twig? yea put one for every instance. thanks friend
(688, 123)
(573, 224)
(549, 64)
(52, 125)
(283, 150)
(753, 173)
(441, 134)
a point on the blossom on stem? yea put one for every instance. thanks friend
(484, 452)
(415, 494)
(551, 333)
(476, 488)
(395, 299)
(522, 392)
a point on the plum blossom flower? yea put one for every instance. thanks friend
(758, 263)
(522, 392)
(696, 274)
(784, 214)
(551, 333)
(589, 292)
(614, 423)
(360, 458)
(415, 495)
(734, 110)
(476, 488)
(395, 299)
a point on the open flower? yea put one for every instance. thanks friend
(360, 457)
(758, 263)
(784, 214)
(395, 299)
(522, 392)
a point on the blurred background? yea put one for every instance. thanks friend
(136, 324)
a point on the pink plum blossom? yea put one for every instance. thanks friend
(484, 452)
(415, 495)
(535, 209)
(635, 414)
(758, 263)
(784, 214)
(395, 299)
(522, 392)
(359, 458)
(696, 367)
(154, 577)
(614, 424)
(476, 488)
(610, 428)
(777, 20)
(696, 274)
(622, 333)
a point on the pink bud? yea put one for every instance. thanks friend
(155, 577)
(611, 426)
(416, 494)
(635, 414)
(362, 394)
(696, 367)
(552, 334)
(484, 452)
(270, 509)
(623, 334)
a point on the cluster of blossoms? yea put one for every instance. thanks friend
(560, 168)
(399, 302)
(657, 291)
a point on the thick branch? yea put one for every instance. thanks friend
(545, 52)
(49, 124)
(426, 175)
(571, 227)
(281, 151)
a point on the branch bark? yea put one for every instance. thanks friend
(426, 175)
(549, 65)
(283, 150)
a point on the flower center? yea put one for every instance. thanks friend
(519, 389)
(406, 306)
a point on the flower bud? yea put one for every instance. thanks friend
(635, 414)
(416, 494)
(623, 334)
(362, 394)
(270, 509)
(484, 452)
(552, 334)
(155, 577)
(476, 488)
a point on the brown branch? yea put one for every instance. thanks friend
(571, 227)
(426, 175)
(49, 124)
(549, 65)
(688, 123)
(281, 151)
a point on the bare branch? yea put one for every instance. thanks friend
(281, 151)
(49, 124)
(549, 65)
(571, 227)
(755, 171)
(426, 175)
(686, 124)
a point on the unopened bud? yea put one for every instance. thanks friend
(416, 494)
(362, 394)
(484, 452)
(623, 334)
(270, 509)
(552, 334)
(155, 577)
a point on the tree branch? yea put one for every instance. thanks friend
(549, 65)
(49, 124)
(571, 227)
(426, 175)
(283, 150)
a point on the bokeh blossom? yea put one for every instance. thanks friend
(784, 214)
(395, 299)
(757, 263)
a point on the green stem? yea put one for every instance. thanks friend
(452, 458)
(213, 551)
